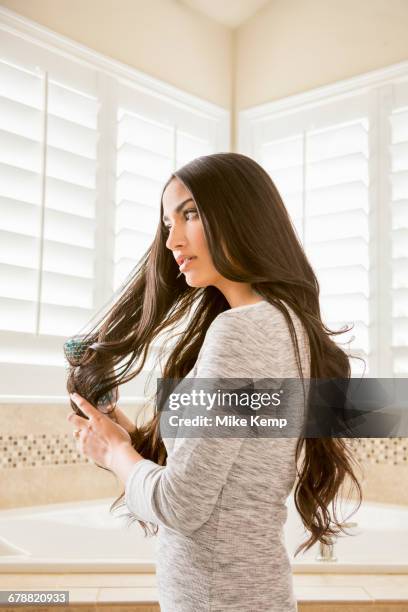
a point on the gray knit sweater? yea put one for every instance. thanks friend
(220, 503)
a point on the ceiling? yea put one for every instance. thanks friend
(231, 13)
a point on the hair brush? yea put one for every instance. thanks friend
(74, 350)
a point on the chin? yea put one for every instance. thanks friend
(195, 282)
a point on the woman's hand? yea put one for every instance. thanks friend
(118, 416)
(98, 437)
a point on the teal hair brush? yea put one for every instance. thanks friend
(74, 350)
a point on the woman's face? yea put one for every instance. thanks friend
(186, 237)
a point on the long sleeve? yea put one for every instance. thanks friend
(182, 495)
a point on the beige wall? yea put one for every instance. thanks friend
(291, 46)
(160, 37)
(287, 47)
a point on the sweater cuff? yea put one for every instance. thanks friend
(139, 489)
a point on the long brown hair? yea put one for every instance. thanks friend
(240, 208)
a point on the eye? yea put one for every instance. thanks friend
(193, 211)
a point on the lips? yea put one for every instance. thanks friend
(182, 258)
(185, 263)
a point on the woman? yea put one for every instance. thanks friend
(225, 253)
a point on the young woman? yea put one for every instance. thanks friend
(225, 253)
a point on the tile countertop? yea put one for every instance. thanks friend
(121, 588)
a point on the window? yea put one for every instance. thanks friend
(339, 159)
(86, 145)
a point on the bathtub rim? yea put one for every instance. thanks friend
(28, 564)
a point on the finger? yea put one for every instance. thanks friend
(77, 421)
(85, 406)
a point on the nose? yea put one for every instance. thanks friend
(176, 238)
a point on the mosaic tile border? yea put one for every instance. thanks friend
(32, 450)
(389, 451)
(35, 450)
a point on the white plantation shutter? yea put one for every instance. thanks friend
(86, 144)
(337, 236)
(336, 228)
(69, 228)
(339, 157)
(144, 162)
(47, 196)
(399, 230)
(152, 141)
(20, 195)
(319, 164)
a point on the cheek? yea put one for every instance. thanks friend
(198, 239)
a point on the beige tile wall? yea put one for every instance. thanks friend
(383, 469)
(39, 463)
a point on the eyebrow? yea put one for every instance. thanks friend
(178, 208)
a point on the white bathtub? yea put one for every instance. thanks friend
(85, 537)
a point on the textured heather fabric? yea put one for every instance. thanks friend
(220, 503)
